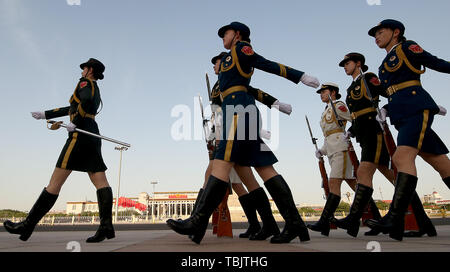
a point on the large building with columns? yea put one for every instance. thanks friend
(164, 205)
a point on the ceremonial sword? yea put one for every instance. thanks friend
(91, 134)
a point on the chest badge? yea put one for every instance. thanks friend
(228, 59)
(357, 88)
(392, 58)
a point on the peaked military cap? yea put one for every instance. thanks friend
(331, 86)
(95, 64)
(220, 56)
(237, 26)
(355, 57)
(388, 23)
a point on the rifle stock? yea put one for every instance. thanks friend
(323, 173)
(390, 145)
(353, 157)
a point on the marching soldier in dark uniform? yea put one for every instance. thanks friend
(365, 128)
(411, 110)
(80, 153)
(245, 150)
(256, 199)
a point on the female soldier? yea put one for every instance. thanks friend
(80, 153)
(335, 147)
(411, 110)
(256, 199)
(373, 154)
(241, 144)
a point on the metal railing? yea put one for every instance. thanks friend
(146, 219)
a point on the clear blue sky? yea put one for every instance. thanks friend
(156, 54)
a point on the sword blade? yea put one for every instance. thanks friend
(94, 135)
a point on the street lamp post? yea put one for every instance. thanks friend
(121, 149)
(153, 200)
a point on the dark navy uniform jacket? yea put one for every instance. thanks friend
(81, 152)
(403, 64)
(362, 109)
(234, 79)
(258, 94)
(84, 103)
(234, 73)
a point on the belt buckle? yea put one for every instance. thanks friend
(392, 89)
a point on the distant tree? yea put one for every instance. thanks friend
(343, 207)
(381, 205)
(308, 210)
(12, 213)
(89, 214)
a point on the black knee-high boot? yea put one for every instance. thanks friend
(422, 219)
(395, 223)
(199, 196)
(197, 223)
(25, 228)
(262, 205)
(249, 206)
(352, 221)
(376, 215)
(323, 225)
(106, 229)
(447, 181)
(294, 225)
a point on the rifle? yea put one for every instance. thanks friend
(210, 144)
(389, 140)
(323, 171)
(351, 149)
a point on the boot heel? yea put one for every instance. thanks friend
(325, 232)
(431, 233)
(397, 231)
(353, 231)
(396, 235)
(198, 237)
(25, 236)
(304, 235)
(110, 235)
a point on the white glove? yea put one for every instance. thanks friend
(347, 135)
(210, 135)
(318, 154)
(382, 116)
(71, 127)
(264, 134)
(442, 110)
(283, 107)
(38, 115)
(310, 81)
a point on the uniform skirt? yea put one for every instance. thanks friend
(415, 131)
(241, 142)
(82, 153)
(341, 165)
(373, 146)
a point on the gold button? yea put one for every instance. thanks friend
(232, 96)
(382, 71)
(385, 81)
(370, 117)
(390, 99)
(413, 92)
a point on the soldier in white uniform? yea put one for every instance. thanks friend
(335, 147)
